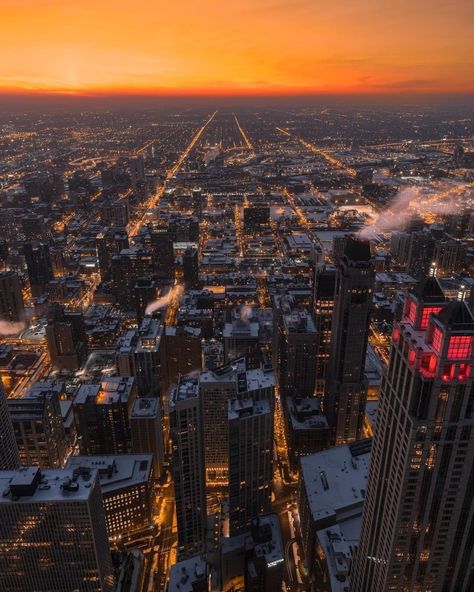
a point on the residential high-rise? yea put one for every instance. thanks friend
(191, 267)
(11, 298)
(147, 429)
(38, 426)
(241, 340)
(53, 534)
(127, 487)
(146, 291)
(346, 390)
(324, 288)
(296, 353)
(217, 387)
(417, 531)
(129, 265)
(9, 457)
(187, 439)
(66, 337)
(39, 266)
(141, 354)
(250, 461)
(110, 242)
(102, 412)
(183, 351)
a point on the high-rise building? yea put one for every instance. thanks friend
(127, 488)
(9, 457)
(160, 241)
(129, 265)
(146, 291)
(296, 353)
(141, 354)
(53, 534)
(191, 267)
(346, 390)
(250, 461)
(102, 412)
(110, 242)
(66, 337)
(183, 351)
(420, 254)
(217, 387)
(241, 340)
(417, 531)
(38, 426)
(137, 171)
(324, 288)
(11, 298)
(38, 263)
(188, 466)
(147, 429)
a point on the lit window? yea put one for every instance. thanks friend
(437, 339)
(427, 312)
(459, 347)
(411, 311)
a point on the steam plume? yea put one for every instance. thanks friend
(8, 328)
(175, 294)
(447, 198)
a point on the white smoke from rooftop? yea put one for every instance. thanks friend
(246, 313)
(10, 329)
(174, 294)
(445, 198)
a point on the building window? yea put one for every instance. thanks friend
(459, 347)
(437, 339)
(427, 312)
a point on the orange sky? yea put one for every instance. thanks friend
(237, 46)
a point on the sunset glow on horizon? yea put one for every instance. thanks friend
(245, 47)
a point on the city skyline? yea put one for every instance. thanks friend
(273, 47)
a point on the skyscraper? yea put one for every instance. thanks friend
(53, 534)
(9, 457)
(141, 354)
(296, 354)
(38, 263)
(38, 426)
(324, 287)
(417, 531)
(66, 337)
(250, 461)
(346, 391)
(188, 466)
(217, 387)
(146, 426)
(11, 298)
(102, 412)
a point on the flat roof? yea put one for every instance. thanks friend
(116, 471)
(335, 481)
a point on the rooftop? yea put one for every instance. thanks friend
(30, 484)
(185, 574)
(335, 480)
(115, 471)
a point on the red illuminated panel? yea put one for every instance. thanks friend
(464, 371)
(411, 311)
(396, 335)
(411, 357)
(427, 312)
(448, 372)
(437, 339)
(459, 347)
